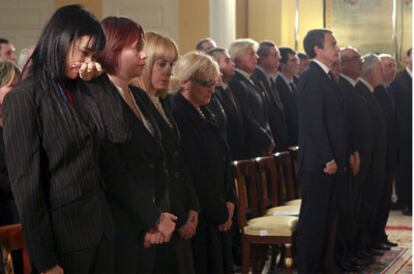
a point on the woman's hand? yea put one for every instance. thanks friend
(90, 70)
(189, 229)
(153, 237)
(227, 225)
(166, 225)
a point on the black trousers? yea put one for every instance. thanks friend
(98, 259)
(153, 260)
(317, 213)
(404, 179)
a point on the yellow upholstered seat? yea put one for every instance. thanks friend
(285, 210)
(294, 202)
(271, 226)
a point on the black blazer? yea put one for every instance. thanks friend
(291, 110)
(387, 105)
(8, 207)
(235, 125)
(379, 140)
(219, 114)
(322, 136)
(208, 159)
(276, 110)
(358, 124)
(134, 172)
(401, 91)
(183, 196)
(254, 111)
(51, 155)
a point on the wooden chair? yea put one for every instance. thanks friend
(293, 150)
(288, 178)
(11, 238)
(258, 230)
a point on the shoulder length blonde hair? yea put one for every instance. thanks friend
(156, 47)
(9, 73)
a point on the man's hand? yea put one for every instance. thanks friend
(227, 225)
(330, 167)
(188, 230)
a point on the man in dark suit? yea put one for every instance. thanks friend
(223, 104)
(383, 95)
(252, 100)
(322, 153)
(402, 94)
(287, 89)
(367, 85)
(263, 76)
(353, 191)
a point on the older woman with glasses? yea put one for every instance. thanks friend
(208, 157)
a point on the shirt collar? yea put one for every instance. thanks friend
(349, 79)
(362, 80)
(224, 85)
(323, 66)
(245, 74)
(409, 72)
(288, 81)
(268, 75)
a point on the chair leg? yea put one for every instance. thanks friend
(259, 254)
(275, 252)
(245, 256)
(289, 258)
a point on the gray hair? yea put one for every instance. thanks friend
(240, 46)
(368, 62)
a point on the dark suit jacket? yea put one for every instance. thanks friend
(134, 172)
(379, 140)
(51, 154)
(322, 136)
(387, 105)
(291, 110)
(183, 196)
(235, 125)
(402, 94)
(254, 111)
(358, 124)
(8, 208)
(276, 110)
(219, 114)
(208, 158)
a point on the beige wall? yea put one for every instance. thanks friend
(193, 23)
(95, 6)
(275, 20)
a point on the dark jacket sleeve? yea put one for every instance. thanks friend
(312, 116)
(23, 157)
(212, 204)
(262, 135)
(124, 189)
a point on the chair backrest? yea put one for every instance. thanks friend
(285, 166)
(246, 181)
(11, 238)
(269, 183)
(294, 156)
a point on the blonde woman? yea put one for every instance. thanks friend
(9, 75)
(162, 53)
(208, 158)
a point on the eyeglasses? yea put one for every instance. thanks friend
(204, 83)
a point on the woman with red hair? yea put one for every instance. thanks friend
(134, 172)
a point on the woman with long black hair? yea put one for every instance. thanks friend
(53, 126)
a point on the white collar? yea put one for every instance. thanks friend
(288, 81)
(349, 79)
(362, 80)
(323, 66)
(409, 72)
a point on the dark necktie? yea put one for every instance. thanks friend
(292, 88)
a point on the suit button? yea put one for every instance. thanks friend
(177, 175)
